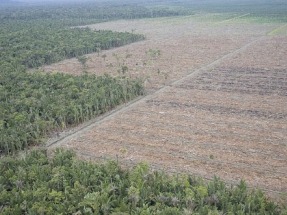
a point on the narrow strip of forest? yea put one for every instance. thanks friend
(35, 104)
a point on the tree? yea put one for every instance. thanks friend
(83, 60)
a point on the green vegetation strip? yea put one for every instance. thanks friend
(282, 30)
(33, 105)
(32, 36)
(36, 46)
(38, 184)
(89, 12)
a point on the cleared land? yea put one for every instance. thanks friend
(185, 44)
(217, 102)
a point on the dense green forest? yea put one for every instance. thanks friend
(273, 10)
(36, 46)
(39, 184)
(79, 14)
(34, 104)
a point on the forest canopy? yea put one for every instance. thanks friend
(34, 104)
(39, 184)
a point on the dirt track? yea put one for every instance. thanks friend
(217, 106)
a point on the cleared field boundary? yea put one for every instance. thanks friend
(233, 18)
(276, 30)
(97, 121)
(75, 132)
(254, 167)
(155, 167)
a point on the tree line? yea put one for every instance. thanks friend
(91, 11)
(61, 184)
(37, 45)
(34, 104)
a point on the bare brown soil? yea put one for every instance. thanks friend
(184, 45)
(228, 118)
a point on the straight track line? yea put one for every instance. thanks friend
(276, 30)
(236, 17)
(97, 121)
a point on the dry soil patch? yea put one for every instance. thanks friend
(228, 120)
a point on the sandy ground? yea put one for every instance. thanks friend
(216, 102)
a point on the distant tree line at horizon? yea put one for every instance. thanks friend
(87, 12)
(37, 35)
(32, 105)
(35, 104)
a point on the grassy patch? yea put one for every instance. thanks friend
(282, 30)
